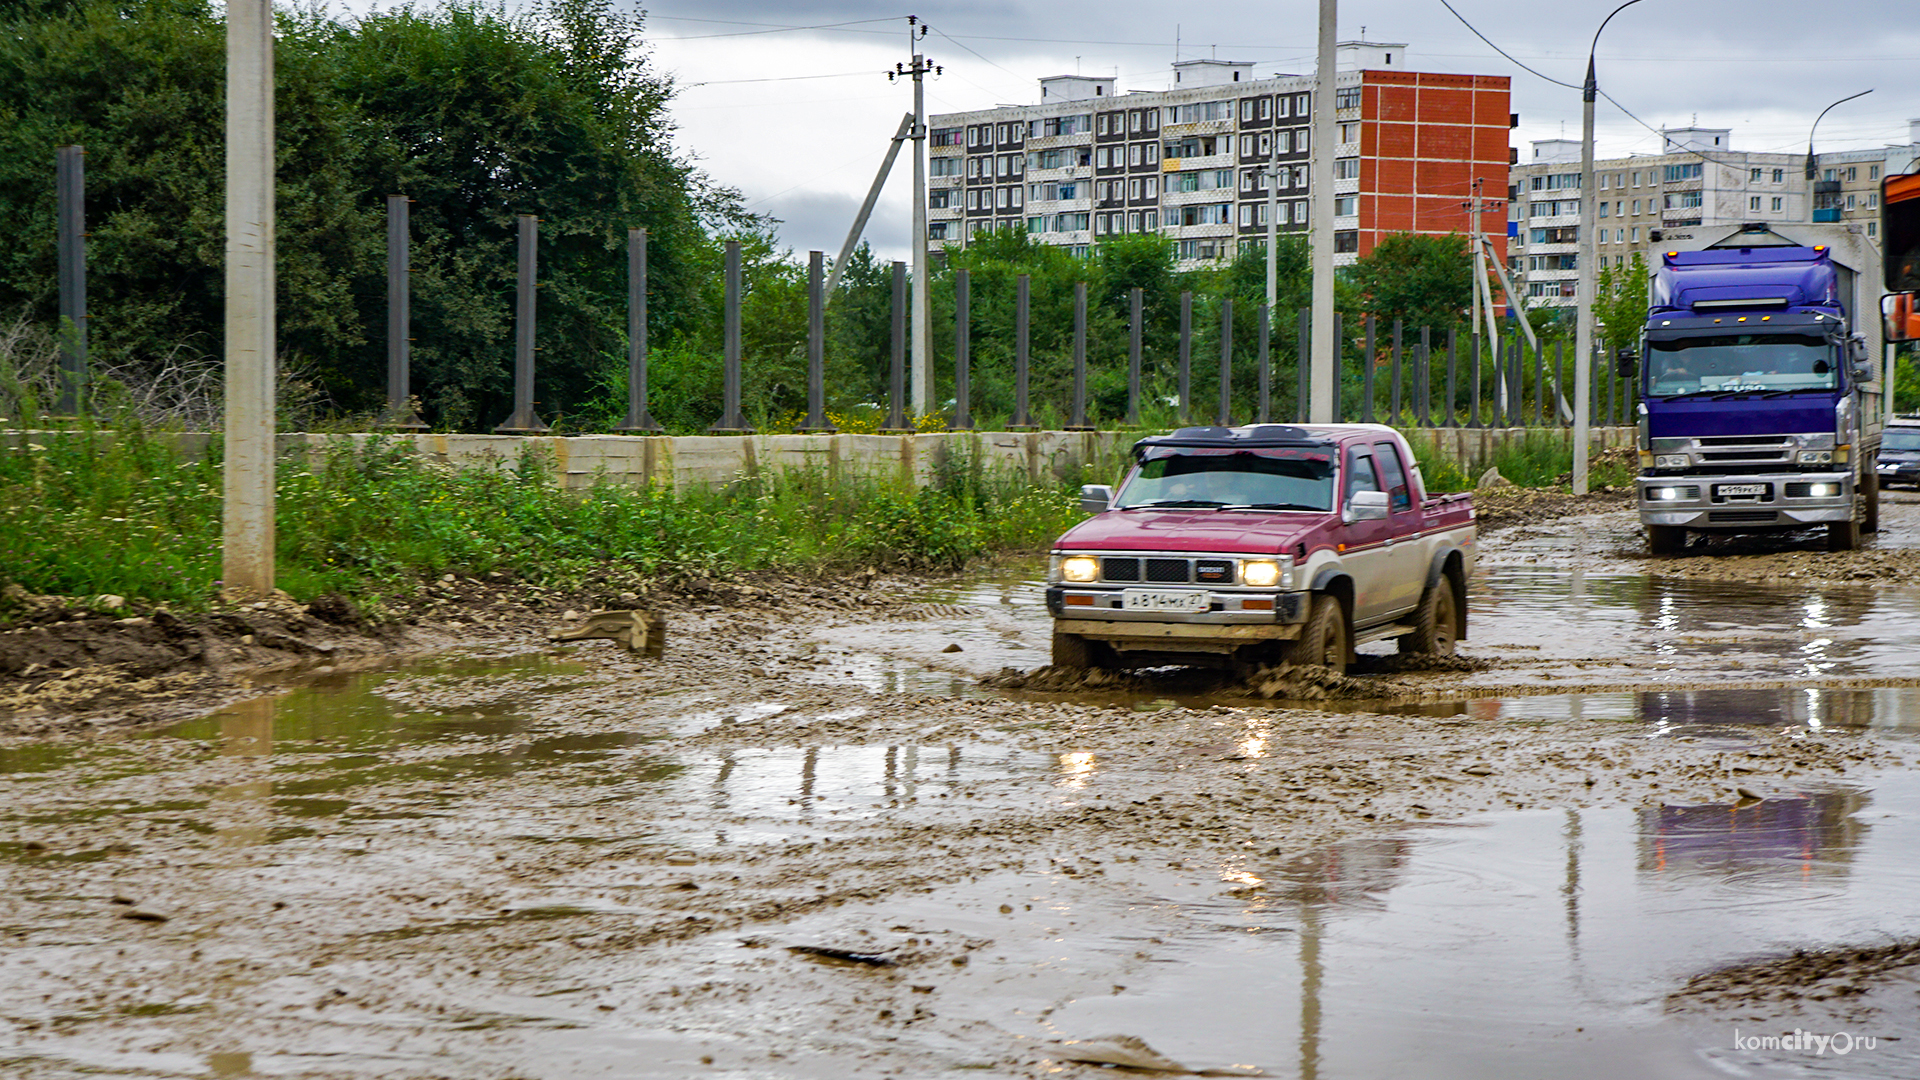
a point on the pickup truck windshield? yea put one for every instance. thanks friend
(1740, 364)
(1280, 479)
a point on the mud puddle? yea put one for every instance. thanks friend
(1891, 710)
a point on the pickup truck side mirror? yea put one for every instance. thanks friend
(1365, 506)
(1095, 498)
(1626, 363)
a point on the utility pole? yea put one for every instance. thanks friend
(1320, 410)
(920, 332)
(1482, 289)
(247, 540)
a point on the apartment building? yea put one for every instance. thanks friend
(1199, 163)
(1697, 179)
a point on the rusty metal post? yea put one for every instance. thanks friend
(524, 421)
(399, 414)
(638, 419)
(1135, 297)
(1339, 365)
(1303, 394)
(1423, 375)
(816, 422)
(1366, 374)
(897, 380)
(1266, 364)
(1186, 357)
(1453, 372)
(1393, 412)
(1473, 348)
(962, 350)
(1022, 308)
(1226, 361)
(1079, 419)
(71, 181)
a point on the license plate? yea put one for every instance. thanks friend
(1155, 600)
(1724, 490)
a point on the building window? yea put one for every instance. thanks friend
(1246, 110)
(973, 168)
(1153, 187)
(1603, 181)
(1153, 153)
(1347, 97)
(1754, 176)
(1266, 108)
(1300, 177)
(1828, 175)
(1246, 146)
(1133, 221)
(1150, 220)
(1849, 197)
(1681, 200)
(1300, 213)
(1753, 202)
(1266, 141)
(940, 199)
(1300, 104)
(1346, 240)
(1873, 172)
(1346, 205)
(1153, 119)
(1283, 105)
(973, 136)
(1604, 208)
(1346, 168)
(1636, 206)
(1779, 175)
(945, 136)
(1852, 173)
(1776, 204)
(1133, 154)
(1133, 189)
(1634, 233)
(1350, 131)
(1873, 228)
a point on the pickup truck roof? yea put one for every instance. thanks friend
(1254, 435)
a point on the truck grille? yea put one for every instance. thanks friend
(1168, 571)
(1114, 569)
(1742, 517)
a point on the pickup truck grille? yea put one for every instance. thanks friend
(1120, 569)
(1168, 571)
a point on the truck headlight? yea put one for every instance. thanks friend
(1814, 457)
(1663, 494)
(1823, 491)
(1260, 573)
(1670, 461)
(1080, 568)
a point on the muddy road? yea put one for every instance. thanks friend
(1665, 808)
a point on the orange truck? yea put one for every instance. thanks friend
(1900, 231)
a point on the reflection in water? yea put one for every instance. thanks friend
(1795, 836)
(246, 731)
(1076, 769)
(1882, 708)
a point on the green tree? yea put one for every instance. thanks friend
(1620, 303)
(1421, 280)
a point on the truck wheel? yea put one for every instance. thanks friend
(1843, 535)
(1870, 488)
(1666, 539)
(1074, 651)
(1436, 622)
(1323, 641)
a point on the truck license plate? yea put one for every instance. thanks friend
(1725, 490)
(1155, 600)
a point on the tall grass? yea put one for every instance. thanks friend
(86, 513)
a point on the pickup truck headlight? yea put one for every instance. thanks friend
(1670, 461)
(1080, 568)
(1260, 573)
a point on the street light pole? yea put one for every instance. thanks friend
(1589, 213)
(1812, 169)
(1322, 347)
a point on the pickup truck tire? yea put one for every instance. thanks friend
(1074, 651)
(1436, 622)
(1325, 640)
(1666, 539)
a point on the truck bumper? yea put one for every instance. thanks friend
(1094, 612)
(1783, 500)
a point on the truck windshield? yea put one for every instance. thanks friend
(1900, 439)
(1280, 479)
(1740, 363)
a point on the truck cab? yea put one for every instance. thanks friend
(1227, 546)
(1759, 399)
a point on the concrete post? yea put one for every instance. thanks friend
(962, 349)
(1135, 299)
(1321, 205)
(1022, 306)
(897, 379)
(247, 542)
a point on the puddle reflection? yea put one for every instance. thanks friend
(1890, 709)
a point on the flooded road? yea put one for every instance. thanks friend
(537, 863)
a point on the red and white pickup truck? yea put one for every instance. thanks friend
(1256, 544)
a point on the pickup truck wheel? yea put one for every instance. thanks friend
(1666, 539)
(1843, 535)
(1436, 622)
(1074, 651)
(1324, 640)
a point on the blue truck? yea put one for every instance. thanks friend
(1760, 404)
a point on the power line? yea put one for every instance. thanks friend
(768, 28)
(781, 78)
(1503, 52)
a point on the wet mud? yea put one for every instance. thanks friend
(826, 836)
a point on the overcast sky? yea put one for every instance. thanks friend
(799, 120)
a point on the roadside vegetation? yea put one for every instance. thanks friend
(1539, 459)
(91, 513)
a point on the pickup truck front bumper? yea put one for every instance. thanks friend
(1746, 501)
(1233, 618)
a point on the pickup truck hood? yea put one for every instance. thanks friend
(1246, 532)
(1743, 415)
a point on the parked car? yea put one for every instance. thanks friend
(1899, 460)
(1247, 545)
